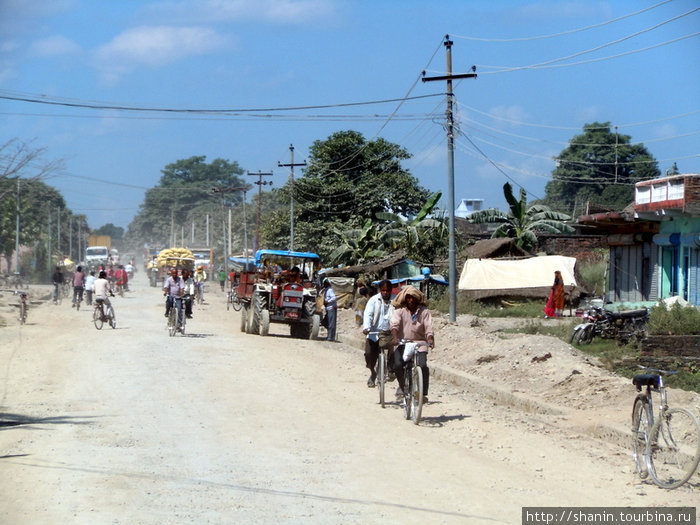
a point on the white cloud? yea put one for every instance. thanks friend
(274, 11)
(54, 46)
(154, 46)
(509, 115)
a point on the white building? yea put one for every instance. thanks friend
(468, 206)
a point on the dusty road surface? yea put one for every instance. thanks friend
(132, 426)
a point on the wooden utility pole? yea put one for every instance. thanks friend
(291, 193)
(451, 173)
(260, 184)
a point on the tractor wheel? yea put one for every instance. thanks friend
(315, 326)
(264, 322)
(244, 319)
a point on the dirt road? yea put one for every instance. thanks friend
(132, 426)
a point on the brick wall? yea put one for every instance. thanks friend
(582, 247)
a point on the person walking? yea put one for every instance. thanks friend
(330, 302)
(376, 325)
(222, 278)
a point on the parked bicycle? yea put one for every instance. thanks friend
(666, 446)
(101, 315)
(232, 300)
(22, 305)
(412, 401)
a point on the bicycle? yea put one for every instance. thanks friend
(23, 305)
(199, 292)
(668, 448)
(413, 380)
(176, 310)
(101, 316)
(233, 301)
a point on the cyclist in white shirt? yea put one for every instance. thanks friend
(376, 325)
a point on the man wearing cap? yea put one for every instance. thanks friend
(412, 321)
(331, 304)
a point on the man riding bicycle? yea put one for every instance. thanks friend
(376, 325)
(57, 279)
(412, 322)
(199, 277)
(174, 290)
(103, 289)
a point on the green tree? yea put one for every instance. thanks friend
(184, 196)
(522, 222)
(599, 166)
(115, 232)
(347, 181)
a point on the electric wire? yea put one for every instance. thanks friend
(563, 33)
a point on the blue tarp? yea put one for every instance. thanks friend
(260, 254)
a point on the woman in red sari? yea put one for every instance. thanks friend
(557, 298)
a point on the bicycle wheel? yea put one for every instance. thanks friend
(97, 317)
(416, 394)
(381, 376)
(235, 303)
(111, 316)
(641, 423)
(229, 301)
(172, 320)
(408, 376)
(674, 448)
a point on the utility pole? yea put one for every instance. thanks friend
(260, 184)
(615, 154)
(17, 231)
(451, 173)
(291, 193)
(223, 190)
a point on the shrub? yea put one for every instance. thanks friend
(676, 320)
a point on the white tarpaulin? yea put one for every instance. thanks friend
(533, 276)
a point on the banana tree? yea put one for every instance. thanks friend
(523, 222)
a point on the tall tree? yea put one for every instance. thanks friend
(522, 222)
(186, 195)
(600, 166)
(347, 181)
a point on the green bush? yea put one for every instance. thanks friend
(592, 276)
(676, 320)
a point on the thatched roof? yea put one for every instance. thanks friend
(369, 268)
(495, 248)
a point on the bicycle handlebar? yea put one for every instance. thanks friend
(664, 372)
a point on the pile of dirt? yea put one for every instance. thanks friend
(539, 368)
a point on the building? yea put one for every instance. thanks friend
(655, 242)
(674, 203)
(468, 206)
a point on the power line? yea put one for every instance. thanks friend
(563, 33)
(35, 99)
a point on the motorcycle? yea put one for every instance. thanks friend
(621, 326)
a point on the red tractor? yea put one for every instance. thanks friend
(280, 290)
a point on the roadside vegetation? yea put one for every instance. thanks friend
(617, 358)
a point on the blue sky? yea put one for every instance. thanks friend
(545, 69)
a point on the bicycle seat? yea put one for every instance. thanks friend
(646, 380)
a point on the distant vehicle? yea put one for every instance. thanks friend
(96, 256)
(203, 257)
(114, 254)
